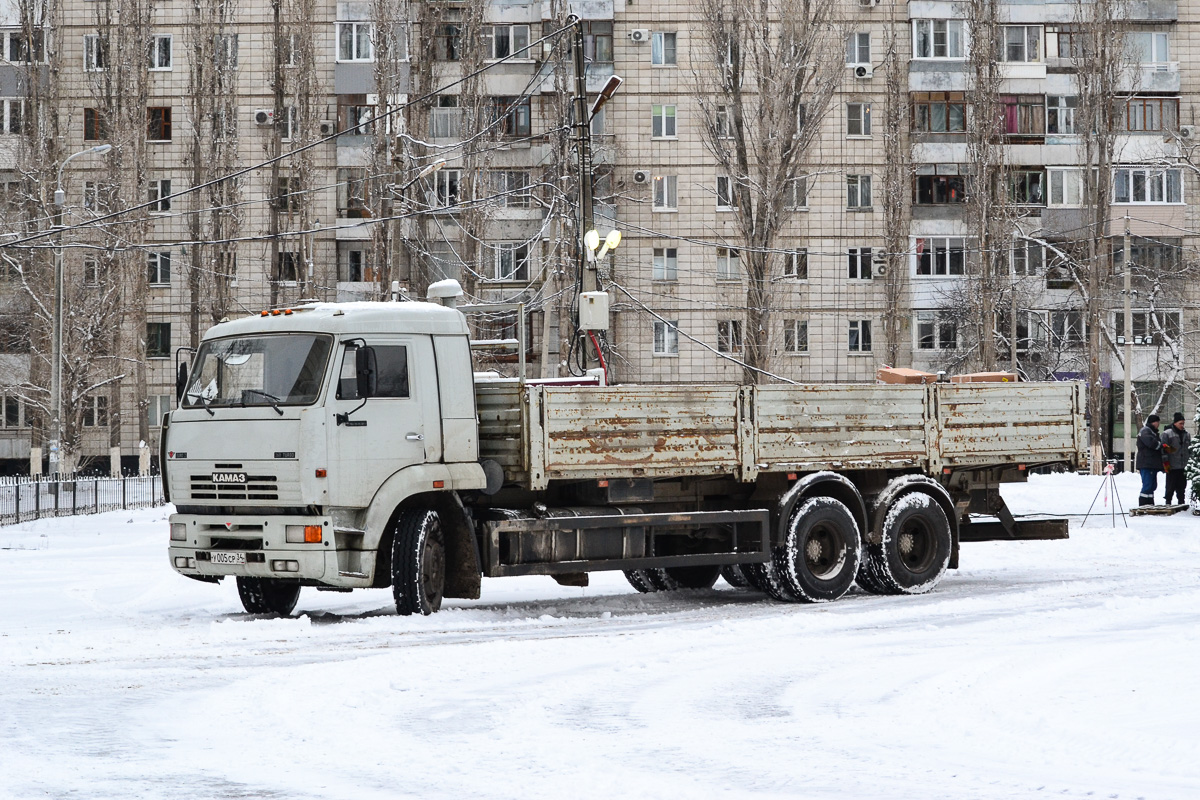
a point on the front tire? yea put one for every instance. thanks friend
(821, 551)
(268, 596)
(910, 551)
(418, 562)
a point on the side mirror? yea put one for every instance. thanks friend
(365, 372)
(181, 376)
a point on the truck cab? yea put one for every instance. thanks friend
(294, 424)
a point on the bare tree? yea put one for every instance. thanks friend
(765, 74)
(897, 194)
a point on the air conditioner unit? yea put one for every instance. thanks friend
(264, 116)
(328, 127)
(639, 35)
(864, 72)
(880, 269)
(1187, 132)
(641, 176)
(868, 3)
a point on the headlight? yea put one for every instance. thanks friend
(178, 532)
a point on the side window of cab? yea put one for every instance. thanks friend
(389, 363)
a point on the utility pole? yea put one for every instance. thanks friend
(1127, 428)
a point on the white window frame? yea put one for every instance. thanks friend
(7, 104)
(665, 264)
(158, 262)
(940, 263)
(1159, 46)
(858, 337)
(1150, 332)
(796, 194)
(729, 264)
(1063, 108)
(666, 338)
(156, 406)
(795, 264)
(934, 330)
(795, 337)
(1026, 30)
(727, 196)
(442, 183)
(859, 265)
(521, 256)
(659, 51)
(160, 201)
(858, 48)
(509, 35)
(666, 193)
(95, 53)
(1068, 328)
(724, 122)
(729, 336)
(1064, 187)
(858, 112)
(855, 184)
(1149, 177)
(929, 28)
(156, 52)
(356, 30)
(663, 121)
(1027, 258)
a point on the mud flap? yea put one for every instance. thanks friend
(464, 575)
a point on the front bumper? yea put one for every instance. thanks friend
(262, 541)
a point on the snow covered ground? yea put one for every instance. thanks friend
(1043, 669)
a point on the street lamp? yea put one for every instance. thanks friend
(60, 200)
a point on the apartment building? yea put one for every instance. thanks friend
(377, 148)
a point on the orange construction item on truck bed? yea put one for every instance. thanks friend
(903, 375)
(985, 377)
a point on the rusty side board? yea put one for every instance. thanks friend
(636, 431)
(853, 426)
(987, 424)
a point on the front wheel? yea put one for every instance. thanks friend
(910, 551)
(418, 562)
(268, 595)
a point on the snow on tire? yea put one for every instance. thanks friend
(821, 549)
(640, 580)
(418, 562)
(734, 576)
(909, 551)
(268, 595)
(766, 577)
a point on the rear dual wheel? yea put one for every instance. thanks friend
(909, 551)
(820, 553)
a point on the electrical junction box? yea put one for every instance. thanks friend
(593, 311)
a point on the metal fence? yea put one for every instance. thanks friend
(24, 498)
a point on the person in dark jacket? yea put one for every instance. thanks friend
(1175, 442)
(1149, 459)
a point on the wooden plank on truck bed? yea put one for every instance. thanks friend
(1031, 423)
(841, 426)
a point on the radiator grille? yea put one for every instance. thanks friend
(256, 487)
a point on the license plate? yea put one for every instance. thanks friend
(229, 477)
(227, 558)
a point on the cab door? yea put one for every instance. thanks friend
(385, 414)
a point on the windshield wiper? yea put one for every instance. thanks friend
(272, 399)
(203, 402)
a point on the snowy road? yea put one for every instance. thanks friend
(1043, 669)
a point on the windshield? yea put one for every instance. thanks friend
(280, 369)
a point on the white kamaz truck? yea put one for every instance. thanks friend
(346, 446)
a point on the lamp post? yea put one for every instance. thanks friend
(60, 200)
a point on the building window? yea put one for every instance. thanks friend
(662, 49)
(859, 339)
(445, 118)
(795, 336)
(95, 411)
(446, 187)
(159, 269)
(795, 193)
(447, 42)
(1027, 257)
(858, 191)
(729, 336)
(157, 407)
(1027, 187)
(941, 255)
(1064, 41)
(503, 41)
(666, 197)
(513, 115)
(287, 194)
(939, 112)
(354, 41)
(666, 264)
(95, 53)
(225, 50)
(158, 124)
(512, 262)
(663, 122)
(287, 267)
(727, 193)
(724, 123)
(1024, 115)
(1021, 43)
(1147, 185)
(1158, 255)
(931, 190)
(938, 38)
(158, 340)
(355, 116)
(91, 271)
(729, 264)
(666, 338)
(354, 262)
(352, 198)
(935, 334)
(1060, 114)
(12, 115)
(94, 126)
(795, 264)
(598, 41)
(1149, 47)
(21, 48)
(12, 412)
(1066, 328)
(1066, 186)
(858, 119)
(294, 42)
(1147, 114)
(159, 196)
(858, 48)
(1150, 327)
(858, 260)
(161, 51)
(512, 187)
